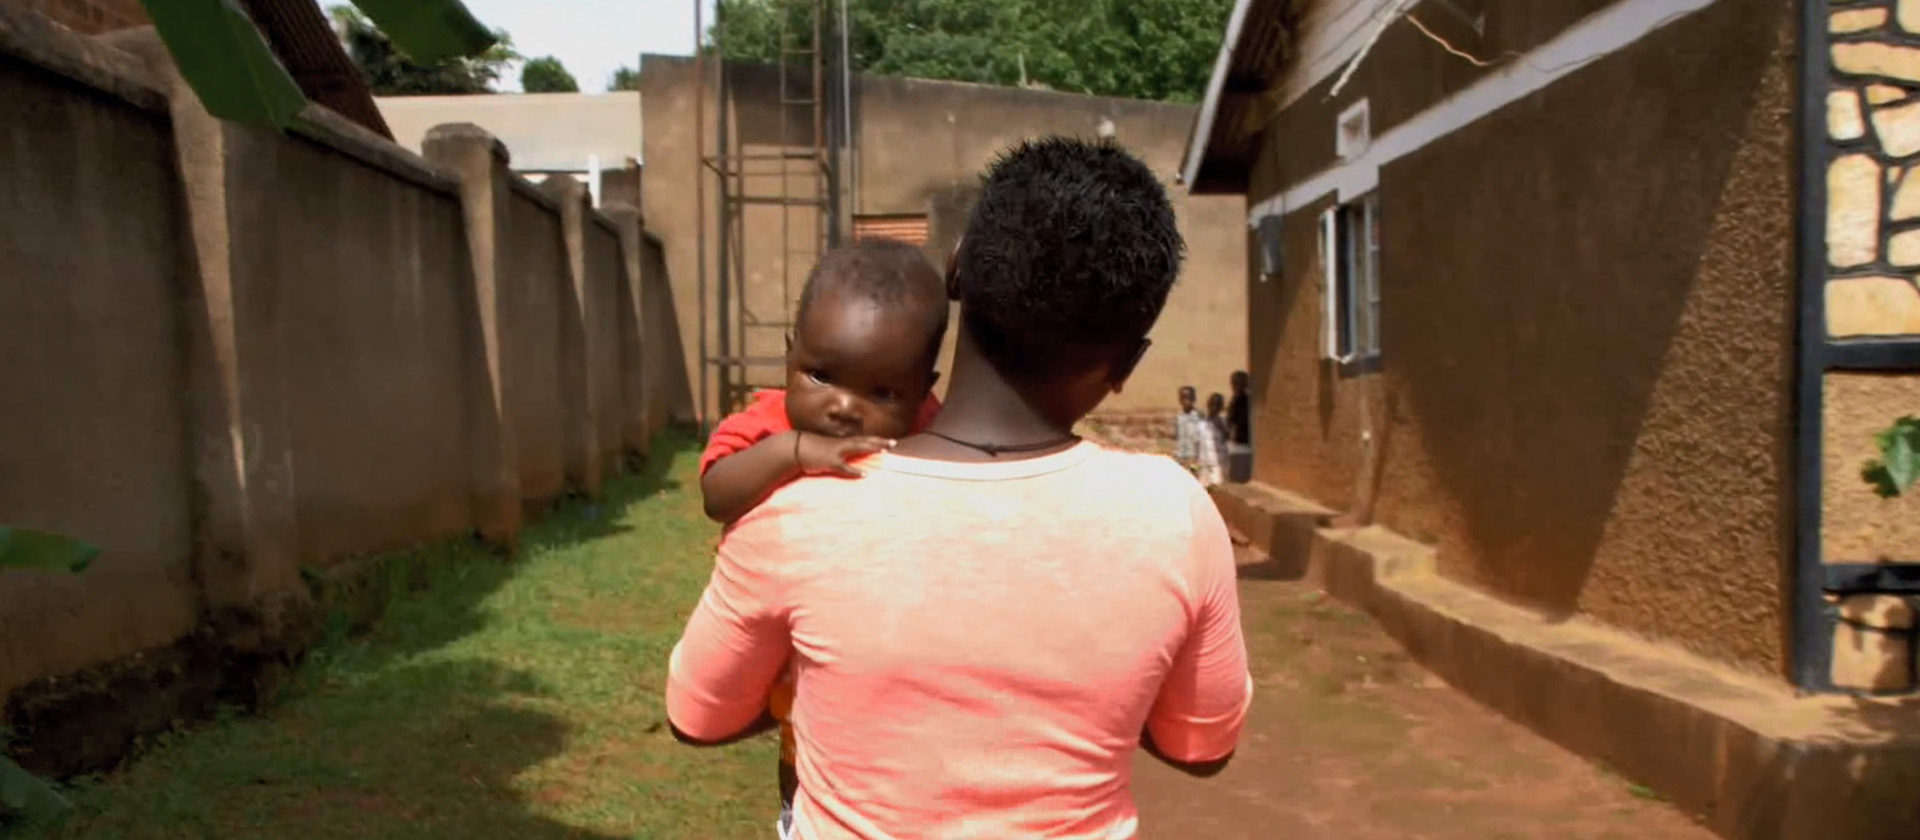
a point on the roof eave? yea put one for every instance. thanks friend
(1216, 86)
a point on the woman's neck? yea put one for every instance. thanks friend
(985, 409)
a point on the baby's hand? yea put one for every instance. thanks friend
(822, 455)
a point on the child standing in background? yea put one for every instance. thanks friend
(1196, 440)
(1217, 418)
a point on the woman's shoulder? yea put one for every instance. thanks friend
(1142, 471)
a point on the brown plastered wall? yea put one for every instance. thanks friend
(350, 286)
(92, 376)
(88, 17)
(667, 348)
(1857, 526)
(232, 354)
(607, 282)
(1586, 328)
(531, 297)
(919, 142)
(654, 388)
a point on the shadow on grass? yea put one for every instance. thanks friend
(407, 752)
(412, 726)
(460, 574)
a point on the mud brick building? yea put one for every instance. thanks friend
(1570, 326)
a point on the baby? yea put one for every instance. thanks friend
(860, 374)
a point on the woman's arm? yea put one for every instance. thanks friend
(1195, 723)
(721, 673)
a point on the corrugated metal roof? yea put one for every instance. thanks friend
(307, 45)
(1257, 48)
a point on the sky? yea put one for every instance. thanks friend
(592, 37)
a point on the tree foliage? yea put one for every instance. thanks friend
(1140, 49)
(547, 75)
(390, 72)
(625, 78)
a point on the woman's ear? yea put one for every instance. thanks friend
(1118, 374)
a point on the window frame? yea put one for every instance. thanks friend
(1350, 255)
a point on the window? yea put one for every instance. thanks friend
(1350, 249)
(911, 229)
(1269, 233)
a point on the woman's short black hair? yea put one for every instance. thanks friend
(1070, 253)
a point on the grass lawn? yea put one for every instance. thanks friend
(504, 699)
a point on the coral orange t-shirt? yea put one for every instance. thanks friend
(978, 646)
(765, 417)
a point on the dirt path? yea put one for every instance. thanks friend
(1349, 740)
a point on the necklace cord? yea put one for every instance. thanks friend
(993, 450)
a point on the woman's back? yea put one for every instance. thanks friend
(980, 645)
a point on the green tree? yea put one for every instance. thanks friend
(1140, 49)
(390, 72)
(547, 75)
(625, 78)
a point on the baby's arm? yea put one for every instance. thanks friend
(738, 482)
(734, 484)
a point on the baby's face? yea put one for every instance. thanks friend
(857, 368)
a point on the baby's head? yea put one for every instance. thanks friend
(871, 320)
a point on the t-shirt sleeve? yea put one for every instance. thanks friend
(761, 419)
(1203, 703)
(737, 642)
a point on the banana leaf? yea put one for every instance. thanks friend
(25, 548)
(227, 61)
(429, 31)
(29, 796)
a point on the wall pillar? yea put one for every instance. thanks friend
(637, 386)
(247, 558)
(578, 376)
(480, 162)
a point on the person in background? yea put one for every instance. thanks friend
(1239, 432)
(1186, 432)
(1196, 441)
(1217, 421)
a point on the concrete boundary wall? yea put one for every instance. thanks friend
(236, 357)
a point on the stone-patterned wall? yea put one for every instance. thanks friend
(1872, 291)
(1873, 183)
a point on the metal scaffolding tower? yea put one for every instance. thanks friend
(777, 193)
